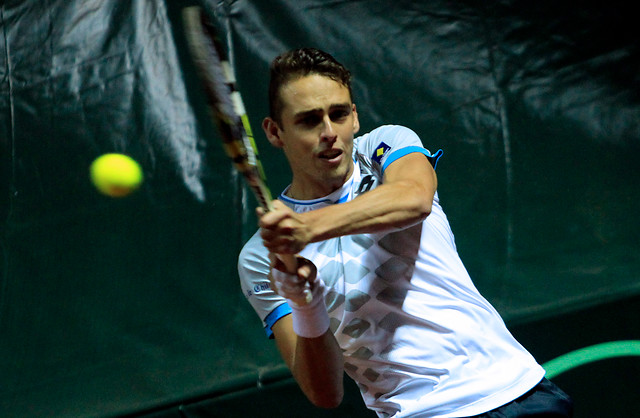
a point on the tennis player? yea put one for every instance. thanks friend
(391, 303)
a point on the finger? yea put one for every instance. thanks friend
(279, 205)
(278, 246)
(272, 219)
(306, 270)
(267, 235)
(273, 259)
(274, 240)
(279, 211)
(283, 248)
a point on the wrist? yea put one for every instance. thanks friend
(312, 319)
(314, 225)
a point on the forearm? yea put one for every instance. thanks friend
(317, 366)
(304, 338)
(403, 199)
(315, 363)
(389, 206)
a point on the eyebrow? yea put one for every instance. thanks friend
(339, 106)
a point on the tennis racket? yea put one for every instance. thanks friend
(226, 107)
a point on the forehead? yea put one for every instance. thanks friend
(312, 92)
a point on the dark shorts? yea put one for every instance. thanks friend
(544, 400)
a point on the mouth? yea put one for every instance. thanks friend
(330, 154)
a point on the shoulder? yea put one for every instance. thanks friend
(389, 133)
(253, 258)
(387, 143)
(386, 139)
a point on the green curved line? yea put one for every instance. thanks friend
(590, 354)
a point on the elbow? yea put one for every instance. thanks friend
(418, 201)
(420, 207)
(325, 392)
(423, 210)
(327, 399)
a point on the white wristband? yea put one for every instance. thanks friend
(311, 320)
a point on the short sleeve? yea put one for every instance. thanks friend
(388, 143)
(253, 270)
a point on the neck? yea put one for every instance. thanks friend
(300, 191)
(305, 187)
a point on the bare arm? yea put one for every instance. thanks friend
(404, 198)
(316, 363)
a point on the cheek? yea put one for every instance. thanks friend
(299, 149)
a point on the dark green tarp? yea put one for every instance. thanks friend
(117, 306)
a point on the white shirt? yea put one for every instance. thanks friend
(416, 334)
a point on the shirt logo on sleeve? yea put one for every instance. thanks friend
(380, 151)
(259, 288)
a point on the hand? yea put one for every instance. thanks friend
(283, 231)
(301, 287)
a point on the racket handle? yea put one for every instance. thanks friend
(290, 262)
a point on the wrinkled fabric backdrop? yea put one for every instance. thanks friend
(121, 306)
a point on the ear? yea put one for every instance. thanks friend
(272, 131)
(356, 121)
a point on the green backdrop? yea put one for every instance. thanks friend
(112, 307)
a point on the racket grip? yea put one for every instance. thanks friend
(290, 262)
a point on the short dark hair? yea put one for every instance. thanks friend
(298, 63)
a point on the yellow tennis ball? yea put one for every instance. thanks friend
(115, 175)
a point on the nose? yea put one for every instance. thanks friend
(328, 130)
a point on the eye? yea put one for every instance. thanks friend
(310, 120)
(339, 115)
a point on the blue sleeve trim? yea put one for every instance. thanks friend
(274, 316)
(433, 159)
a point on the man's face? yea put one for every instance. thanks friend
(318, 123)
